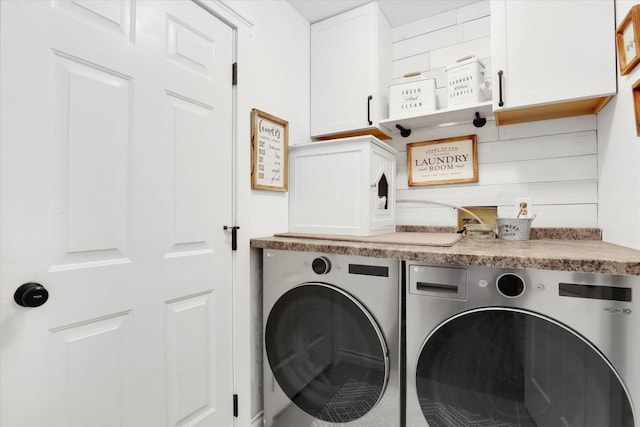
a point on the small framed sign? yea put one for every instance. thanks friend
(628, 41)
(443, 161)
(635, 89)
(269, 152)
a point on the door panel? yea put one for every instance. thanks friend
(115, 184)
(190, 357)
(88, 356)
(189, 47)
(114, 16)
(93, 143)
(187, 127)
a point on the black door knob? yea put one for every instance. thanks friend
(31, 295)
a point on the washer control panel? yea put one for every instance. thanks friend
(438, 281)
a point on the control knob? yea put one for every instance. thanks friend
(510, 285)
(321, 265)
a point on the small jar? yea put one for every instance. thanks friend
(480, 231)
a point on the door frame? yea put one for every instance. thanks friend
(240, 275)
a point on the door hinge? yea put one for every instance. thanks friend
(234, 235)
(234, 74)
(235, 405)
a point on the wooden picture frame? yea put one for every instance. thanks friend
(443, 161)
(628, 41)
(269, 152)
(635, 89)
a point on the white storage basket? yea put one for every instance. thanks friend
(412, 98)
(463, 82)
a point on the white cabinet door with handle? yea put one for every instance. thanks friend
(350, 72)
(551, 58)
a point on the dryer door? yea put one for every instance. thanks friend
(327, 352)
(502, 367)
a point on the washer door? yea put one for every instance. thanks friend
(502, 367)
(326, 352)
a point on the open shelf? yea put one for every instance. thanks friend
(443, 117)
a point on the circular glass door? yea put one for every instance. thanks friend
(499, 367)
(326, 352)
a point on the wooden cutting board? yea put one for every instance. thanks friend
(398, 238)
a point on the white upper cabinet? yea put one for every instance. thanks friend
(350, 73)
(556, 58)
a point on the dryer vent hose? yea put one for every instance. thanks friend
(431, 202)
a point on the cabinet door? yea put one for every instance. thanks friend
(343, 72)
(552, 52)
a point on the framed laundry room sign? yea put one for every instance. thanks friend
(443, 161)
(269, 152)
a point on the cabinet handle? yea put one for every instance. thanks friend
(369, 109)
(500, 103)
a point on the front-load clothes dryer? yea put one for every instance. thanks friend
(331, 337)
(528, 348)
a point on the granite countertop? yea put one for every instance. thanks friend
(580, 254)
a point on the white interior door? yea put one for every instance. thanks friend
(115, 185)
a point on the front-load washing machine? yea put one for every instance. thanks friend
(331, 337)
(529, 348)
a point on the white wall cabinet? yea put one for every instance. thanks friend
(350, 73)
(556, 59)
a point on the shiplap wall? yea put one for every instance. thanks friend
(553, 162)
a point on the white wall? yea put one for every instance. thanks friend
(619, 160)
(273, 76)
(554, 162)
